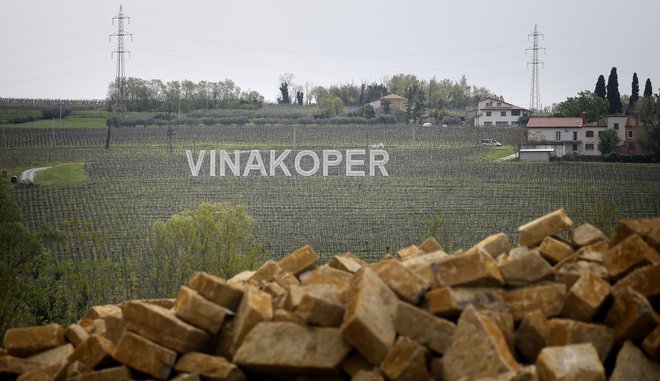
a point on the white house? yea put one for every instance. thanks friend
(496, 112)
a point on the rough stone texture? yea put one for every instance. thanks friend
(406, 361)
(281, 348)
(286, 280)
(355, 363)
(75, 334)
(449, 302)
(94, 352)
(645, 280)
(365, 375)
(595, 252)
(564, 332)
(587, 234)
(548, 297)
(256, 306)
(532, 335)
(523, 269)
(318, 305)
(327, 275)
(631, 253)
(626, 227)
(199, 311)
(554, 250)
(653, 239)
(53, 356)
(631, 316)
(495, 245)
(426, 265)
(474, 270)
(26, 341)
(163, 327)
(476, 335)
(300, 260)
(569, 272)
(75, 368)
(265, 273)
(214, 368)
(421, 326)
(585, 297)
(651, 344)
(114, 328)
(186, 377)
(532, 233)
(577, 362)
(430, 245)
(11, 365)
(117, 373)
(368, 323)
(631, 364)
(504, 321)
(216, 289)
(99, 312)
(144, 355)
(347, 262)
(409, 252)
(403, 281)
(45, 373)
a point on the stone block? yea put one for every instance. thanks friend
(216, 289)
(289, 348)
(356, 363)
(629, 254)
(631, 316)
(405, 361)
(75, 334)
(23, 342)
(347, 262)
(653, 239)
(631, 364)
(286, 279)
(367, 375)
(95, 352)
(409, 252)
(569, 272)
(547, 297)
(14, 366)
(474, 270)
(555, 250)
(265, 273)
(595, 252)
(114, 328)
(586, 297)
(300, 260)
(587, 234)
(523, 269)
(476, 334)
(532, 335)
(186, 377)
(225, 340)
(433, 332)
(651, 344)
(403, 281)
(317, 304)
(163, 327)
(99, 312)
(576, 362)
(283, 315)
(644, 280)
(449, 302)
(117, 373)
(565, 332)
(214, 368)
(532, 233)
(53, 356)
(430, 245)
(74, 368)
(495, 245)
(628, 226)
(426, 265)
(368, 323)
(193, 308)
(45, 373)
(144, 355)
(327, 275)
(256, 306)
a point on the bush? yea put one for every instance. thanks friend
(54, 112)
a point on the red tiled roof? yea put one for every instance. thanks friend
(554, 122)
(392, 96)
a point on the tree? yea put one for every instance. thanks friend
(586, 101)
(601, 90)
(215, 237)
(329, 106)
(648, 89)
(613, 96)
(608, 141)
(284, 90)
(650, 117)
(634, 94)
(299, 97)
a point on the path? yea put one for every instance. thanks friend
(28, 175)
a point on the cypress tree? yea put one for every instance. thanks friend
(600, 90)
(634, 94)
(648, 89)
(613, 96)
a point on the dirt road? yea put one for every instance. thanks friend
(28, 175)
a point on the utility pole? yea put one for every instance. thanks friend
(170, 132)
(535, 91)
(120, 80)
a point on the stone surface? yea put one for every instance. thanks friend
(144, 355)
(576, 362)
(564, 332)
(356, 363)
(327, 275)
(53, 356)
(494, 245)
(640, 226)
(449, 302)
(365, 375)
(409, 252)
(26, 341)
(474, 270)
(114, 327)
(645, 280)
(199, 311)
(368, 323)
(317, 304)
(265, 273)
(587, 234)
(532, 335)
(256, 306)
(406, 361)
(585, 297)
(426, 265)
(430, 245)
(631, 316)
(595, 252)
(347, 262)
(423, 327)
(631, 253)
(117, 373)
(554, 250)
(163, 327)
(653, 238)
(651, 344)
(216, 289)
(94, 352)
(569, 272)
(631, 364)
(532, 233)
(523, 269)
(403, 281)
(477, 350)
(75, 334)
(11, 365)
(75, 368)
(547, 297)
(99, 312)
(213, 368)
(283, 348)
(45, 373)
(300, 260)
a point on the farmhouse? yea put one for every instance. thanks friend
(397, 102)
(496, 112)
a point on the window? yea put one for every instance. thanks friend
(590, 134)
(616, 126)
(503, 113)
(488, 124)
(575, 147)
(499, 104)
(558, 136)
(515, 112)
(600, 133)
(589, 147)
(487, 113)
(630, 134)
(575, 136)
(488, 104)
(502, 124)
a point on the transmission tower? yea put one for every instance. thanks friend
(535, 91)
(120, 79)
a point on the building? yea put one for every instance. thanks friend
(397, 102)
(496, 112)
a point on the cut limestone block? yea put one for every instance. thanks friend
(74, 368)
(95, 352)
(289, 348)
(406, 361)
(626, 227)
(555, 250)
(225, 339)
(474, 270)
(564, 332)
(548, 297)
(53, 356)
(653, 239)
(368, 323)
(585, 297)
(355, 363)
(327, 275)
(282, 315)
(144, 355)
(409, 252)
(108, 374)
(426, 265)
(403, 281)
(163, 327)
(300, 260)
(532, 335)
(532, 233)
(186, 377)
(587, 234)
(645, 280)
(569, 272)
(631, 253)
(523, 269)
(216, 289)
(430, 245)
(76, 334)
(265, 273)
(209, 367)
(631, 316)
(193, 308)
(114, 328)
(347, 262)
(256, 306)
(13, 366)
(495, 245)
(651, 344)
(595, 252)
(319, 305)
(365, 375)
(631, 364)
(26, 341)
(576, 362)
(44, 373)
(476, 334)
(421, 326)
(99, 312)
(504, 321)
(286, 280)
(449, 302)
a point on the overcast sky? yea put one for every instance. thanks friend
(61, 49)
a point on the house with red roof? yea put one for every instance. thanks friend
(496, 112)
(397, 102)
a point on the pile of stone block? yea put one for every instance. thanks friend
(566, 303)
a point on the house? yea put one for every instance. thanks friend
(627, 128)
(496, 112)
(397, 102)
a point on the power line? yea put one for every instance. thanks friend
(535, 91)
(120, 80)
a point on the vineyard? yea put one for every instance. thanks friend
(437, 185)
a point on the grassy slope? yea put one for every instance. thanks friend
(70, 122)
(63, 174)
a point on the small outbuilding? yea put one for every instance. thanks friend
(535, 154)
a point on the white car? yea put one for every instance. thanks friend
(490, 142)
(427, 124)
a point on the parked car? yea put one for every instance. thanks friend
(427, 124)
(490, 142)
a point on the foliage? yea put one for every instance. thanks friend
(586, 101)
(329, 106)
(650, 117)
(613, 96)
(284, 90)
(55, 112)
(600, 89)
(63, 174)
(648, 88)
(366, 111)
(608, 141)
(299, 97)
(215, 237)
(634, 94)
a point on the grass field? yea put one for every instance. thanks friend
(65, 174)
